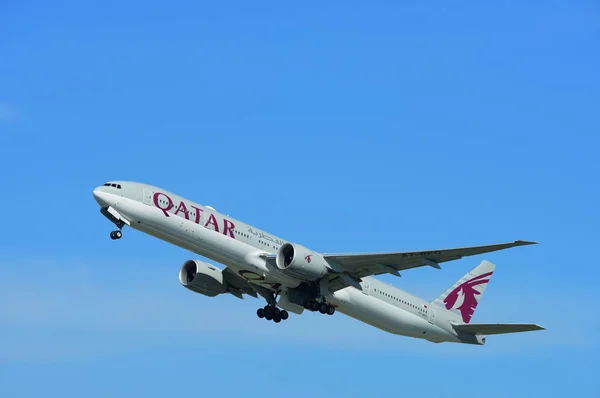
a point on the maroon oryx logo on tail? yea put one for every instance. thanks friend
(308, 258)
(469, 294)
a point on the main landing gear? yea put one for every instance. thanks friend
(116, 234)
(323, 307)
(270, 312)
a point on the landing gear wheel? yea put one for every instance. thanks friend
(269, 312)
(112, 235)
(323, 308)
(314, 306)
(330, 309)
(116, 235)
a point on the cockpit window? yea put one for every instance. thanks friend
(110, 184)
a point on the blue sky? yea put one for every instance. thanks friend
(343, 126)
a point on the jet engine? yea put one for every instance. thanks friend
(202, 278)
(300, 262)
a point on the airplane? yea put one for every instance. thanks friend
(293, 279)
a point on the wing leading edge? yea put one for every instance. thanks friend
(353, 266)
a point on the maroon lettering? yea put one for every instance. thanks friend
(212, 220)
(157, 203)
(228, 227)
(198, 213)
(184, 209)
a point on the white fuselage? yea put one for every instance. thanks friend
(239, 246)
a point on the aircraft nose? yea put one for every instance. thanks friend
(99, 195)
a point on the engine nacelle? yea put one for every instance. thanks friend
(202, 278)
(300, 262)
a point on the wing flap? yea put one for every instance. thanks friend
(238, 285)
(496, 328)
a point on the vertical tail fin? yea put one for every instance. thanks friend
(462, 298)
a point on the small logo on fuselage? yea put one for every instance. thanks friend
(308, 258)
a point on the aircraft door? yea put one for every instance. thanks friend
(431, 315)
(148, 197)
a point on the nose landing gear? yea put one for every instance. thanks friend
(116, 218)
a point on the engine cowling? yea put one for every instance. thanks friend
(202, 278)
(300, 262)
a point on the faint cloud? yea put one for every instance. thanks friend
(7, 111)
(113, 305)
(59, 303)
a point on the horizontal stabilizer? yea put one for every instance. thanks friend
(496, 328)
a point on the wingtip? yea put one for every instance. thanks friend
(526, 242)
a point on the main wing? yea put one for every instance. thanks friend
(349, 268)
